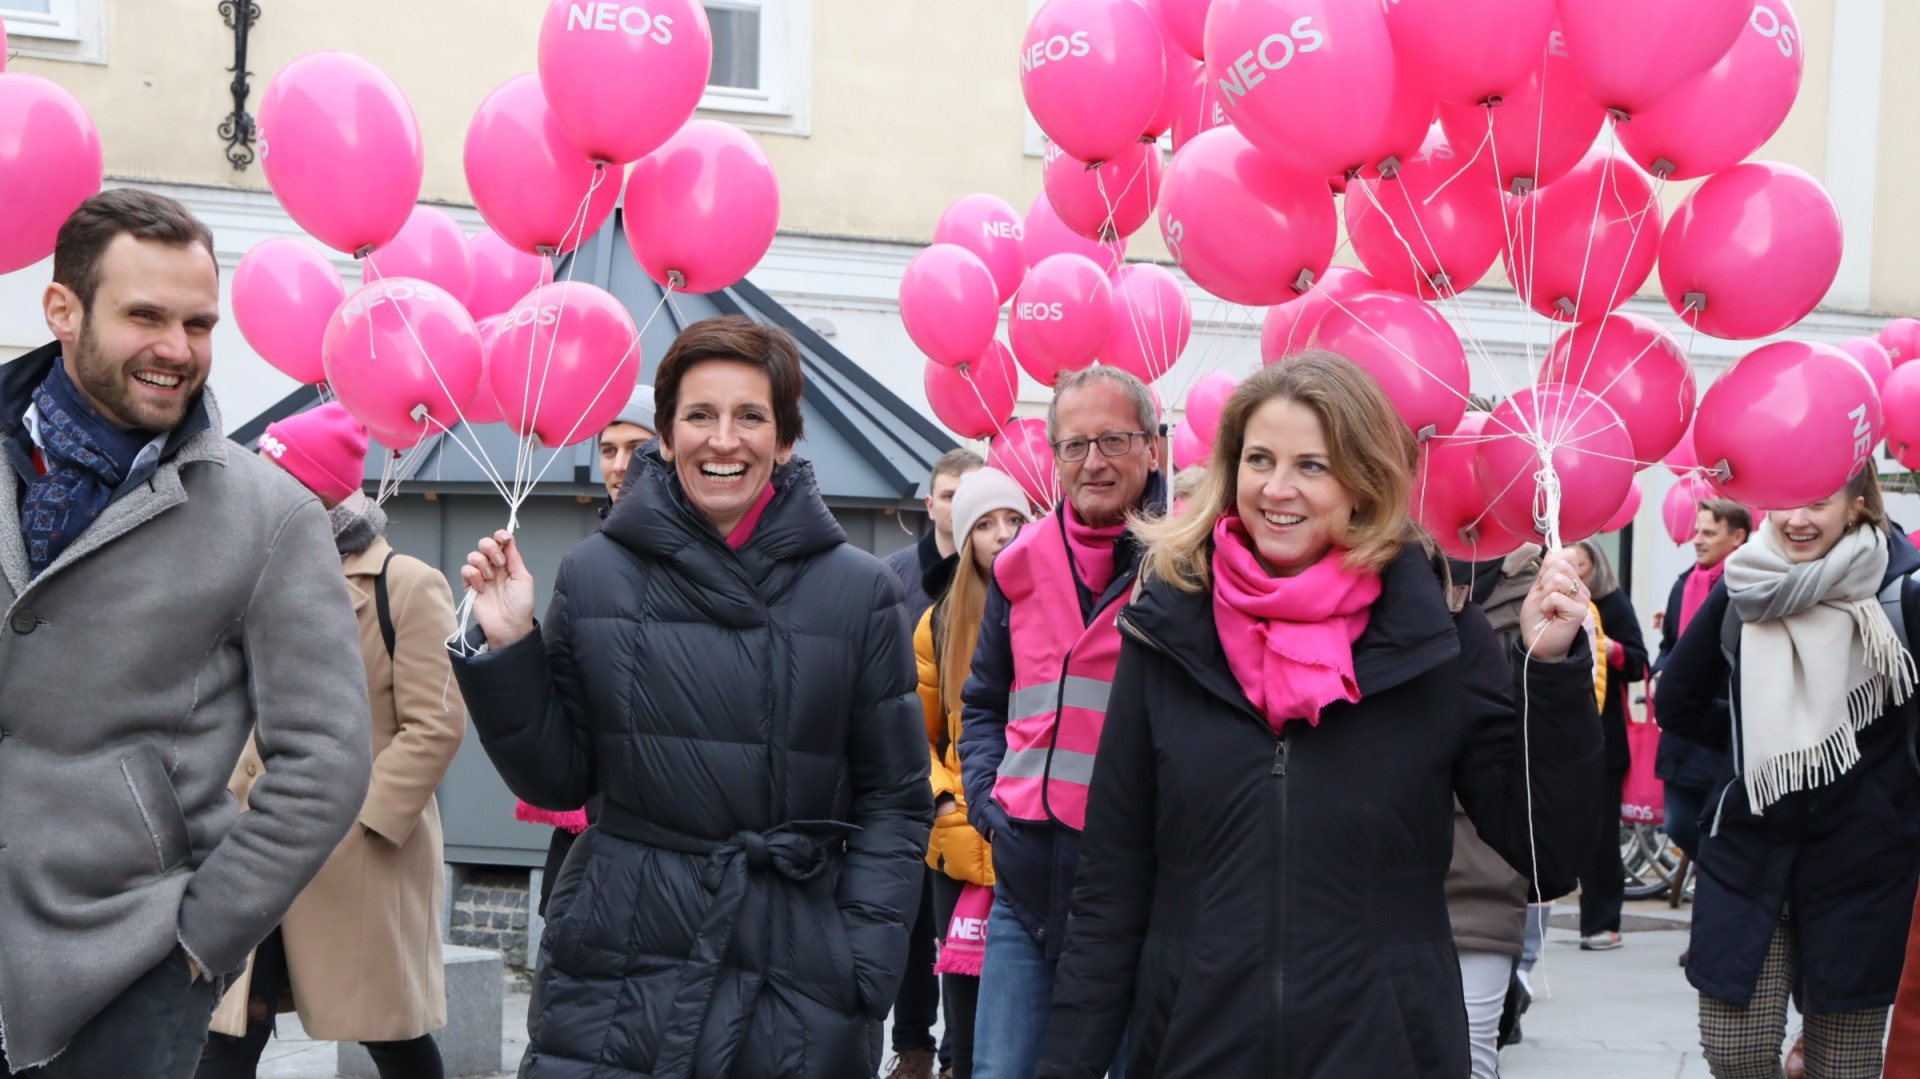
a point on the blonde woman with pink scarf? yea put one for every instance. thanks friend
(1260, 890)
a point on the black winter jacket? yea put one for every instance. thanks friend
(1257, 905)
(741, 907)
(1681, 761)
(1842, 859)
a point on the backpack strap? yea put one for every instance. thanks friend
(384, 608)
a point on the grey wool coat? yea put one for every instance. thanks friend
(205, 602)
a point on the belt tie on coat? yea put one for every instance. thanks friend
(797, 850)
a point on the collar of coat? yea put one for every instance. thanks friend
(653, 517)
(1409, 633)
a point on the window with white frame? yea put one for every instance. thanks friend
(762, 60)
(55, 29)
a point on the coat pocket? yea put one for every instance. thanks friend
(1426, 987)
(151, 789)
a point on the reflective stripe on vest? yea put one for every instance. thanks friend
(1062, 677)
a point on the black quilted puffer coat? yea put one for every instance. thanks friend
(750, 718)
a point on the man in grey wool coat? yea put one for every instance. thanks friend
(162, 594)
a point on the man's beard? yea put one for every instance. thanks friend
(107, 384)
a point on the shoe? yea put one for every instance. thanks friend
(1796, 1066)
(1600, 942)
(912, 1064)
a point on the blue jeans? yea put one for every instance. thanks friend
(1684, 805)
(1016, 997)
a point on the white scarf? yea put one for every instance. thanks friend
(1818, 659)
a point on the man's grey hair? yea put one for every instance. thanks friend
(1136, 390)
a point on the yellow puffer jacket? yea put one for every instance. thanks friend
(955, 849)
(1599, 656)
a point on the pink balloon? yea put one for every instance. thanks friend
(1788, 424)
(284, 294)
(1682, 460)
(1872, 357)
(483, 408)
(1751, 251)
(1627, 512)
(1288, 326)
(1681, 509)
(1470, 50)
(528, 181)
(1021, 450)
(624, 77)
(704, 207)
(991, 228)
(1447, 500)
(1538, 132)
(404, 357)
(1185, 22)
(1105, 201)
(976, 398)
(1045, 235)
(1900, 403)
(1206, 401)
(949, 304)
(432, 248)
(1189, 449)
(1152, 321)
(1585, 243)
(3, 46)
(1427, 230)
(1177, 94)
(1200, 110)
(566, 361)
(1404, 134)
(1093, 72)
(1410, 349)
(1588, 445)
(1638, 369)
(1305, 80)
(1630, 53)
(1902, 339)
(503, 274)
(1715, 119)
(1909, 458)
(1061, 317)
(341, 150)
(1244, 226)
(50, 163)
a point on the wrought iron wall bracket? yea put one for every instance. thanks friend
(238, 128)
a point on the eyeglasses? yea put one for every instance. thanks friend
(1112, 444)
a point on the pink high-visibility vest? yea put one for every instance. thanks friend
(1062, 675)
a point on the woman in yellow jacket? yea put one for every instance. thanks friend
(988, 509)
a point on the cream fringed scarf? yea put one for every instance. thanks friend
(1818, 660)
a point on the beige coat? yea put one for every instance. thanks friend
(363, 940)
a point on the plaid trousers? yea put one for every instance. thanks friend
(1745, 1043)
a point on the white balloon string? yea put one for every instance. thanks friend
(575, 235)
(1485, 141)
(601, 392)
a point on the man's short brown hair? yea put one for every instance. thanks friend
(88, 232)
(955, 463)
(1730, 513)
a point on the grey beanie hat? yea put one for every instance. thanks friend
(981, 492)
(639, 410)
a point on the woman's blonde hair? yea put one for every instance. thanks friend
(1369, 449)
(958, 620)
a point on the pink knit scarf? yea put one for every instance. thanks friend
(1288, 640)
(1092, 550)
(1699, 583)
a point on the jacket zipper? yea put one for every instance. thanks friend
(1282, 754)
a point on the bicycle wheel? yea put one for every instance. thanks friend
(1648, 859)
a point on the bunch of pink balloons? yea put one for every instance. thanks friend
(50, 162)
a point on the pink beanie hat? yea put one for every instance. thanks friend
(324, 448)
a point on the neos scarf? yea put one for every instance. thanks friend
(1288, 640)
(1818, 659)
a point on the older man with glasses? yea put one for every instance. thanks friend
(1038, 696)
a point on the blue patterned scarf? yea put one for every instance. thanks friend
(86, 458)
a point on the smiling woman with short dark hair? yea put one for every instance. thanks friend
(737, 683)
